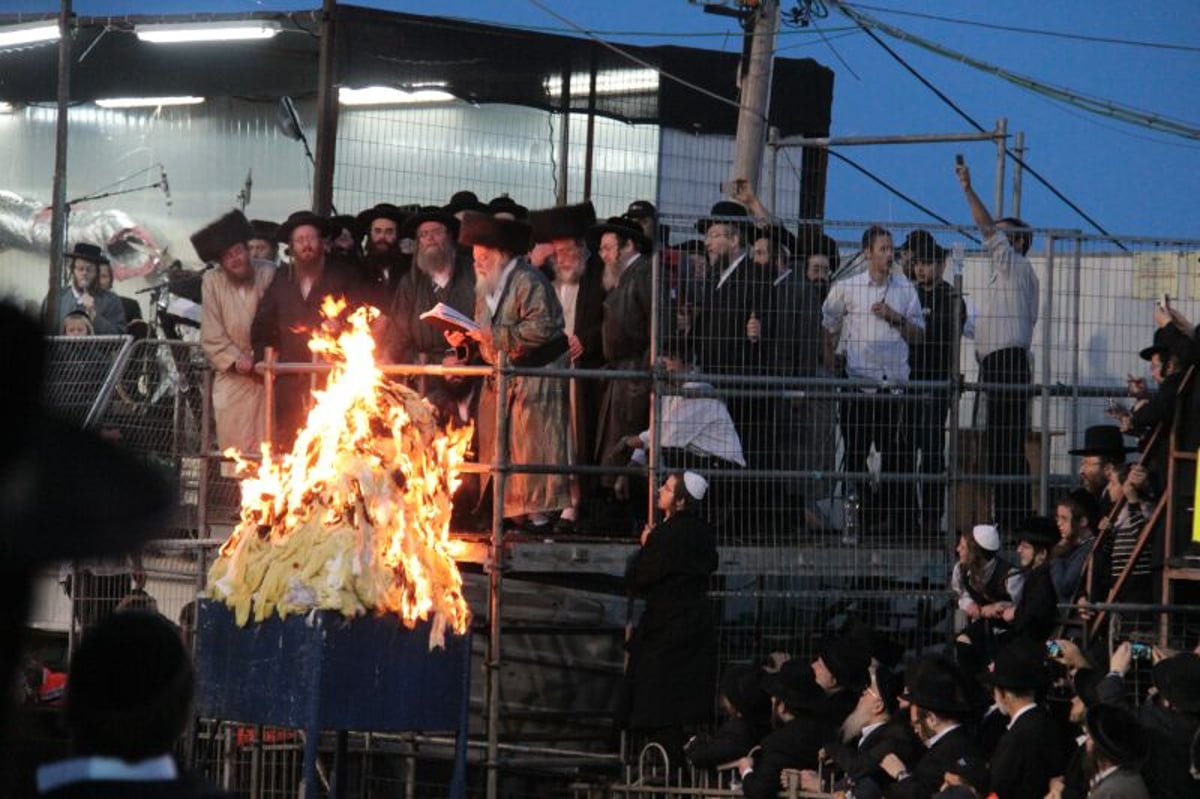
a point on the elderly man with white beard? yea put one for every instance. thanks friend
(519, 315)
(871, 732)
(576, 277)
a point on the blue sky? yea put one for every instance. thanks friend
(1132, 180)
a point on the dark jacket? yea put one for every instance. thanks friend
(930, 358)
(1036, 614)
(860, 758)
(1169, 733)
(732, 740)
(930, 771)
(408, 336)
(794, 745)
(672, 652)
(1027, 757)
(285, 319)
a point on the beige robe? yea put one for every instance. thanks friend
(227, 311)
(528, 316)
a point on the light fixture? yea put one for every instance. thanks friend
(6, 108)
(230, 31)
(386, 95)
(608, 82)
(147, 102)
(28, 33)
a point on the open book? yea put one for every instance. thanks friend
(446, 318)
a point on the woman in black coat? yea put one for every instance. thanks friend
(672, 671)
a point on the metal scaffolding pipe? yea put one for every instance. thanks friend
(911, 138)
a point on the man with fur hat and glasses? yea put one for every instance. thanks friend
(576, 274)
(519, 315)
(82, 294)
(290, 310)
(231, 294)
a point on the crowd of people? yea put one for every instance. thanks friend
(558, 288)
(1013, 712)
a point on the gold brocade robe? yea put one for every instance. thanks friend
(227, 311)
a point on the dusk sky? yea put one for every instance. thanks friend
(1129, 178)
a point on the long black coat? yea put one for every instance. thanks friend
(673, 652)
(732, 740)
(589, 316)
(285, 320)
(861, 757)
(794, 745)
(1027, 757)
(1169, 732)
(930, 771)
(1037, 613)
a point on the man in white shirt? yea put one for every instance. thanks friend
(876, 314)
(1008, 310)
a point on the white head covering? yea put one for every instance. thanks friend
(696, 485)
(987, 536)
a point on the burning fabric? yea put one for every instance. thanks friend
(356, 517)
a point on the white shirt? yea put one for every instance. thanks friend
(874, 349)
(567, 293)
(929, 744)
(867, 730)
(725, 273)
(1020, 713)
(701, 425)
(1008, 307)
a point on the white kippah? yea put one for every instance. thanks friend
(987, 536)
(697, 486)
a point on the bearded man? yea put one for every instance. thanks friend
(383, 263)
(290, 310)
(440, 276)
(576, 279)
(520, 317)
(231, 294)
(625, 407)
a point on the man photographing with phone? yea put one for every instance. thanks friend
(1008, 309)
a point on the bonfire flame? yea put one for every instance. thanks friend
(357, 516)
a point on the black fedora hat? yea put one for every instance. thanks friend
(1103, 439)
(430, 213)
(485, 230)
(727, 210)
(1178, 680)
(86, 252)
(1040, 531)
(464, 201)
(562, 222)
(219, 235)
(1117, 732)
(621, 226)
(848, 660)
(341, 222)
(1158, 347)
(364, 218)
(264, 229)
(794, 685)
(300, 219)
(641, 209)
(935, 684)
(1020, 665)
(507, 205)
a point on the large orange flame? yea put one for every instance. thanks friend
(357, 516)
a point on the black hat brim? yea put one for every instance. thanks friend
(415, 221)
(284, 234)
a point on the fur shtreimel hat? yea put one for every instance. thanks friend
(218, 236)
(486, 230)
(564, 222)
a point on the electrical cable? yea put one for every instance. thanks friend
(855, 15)
(1034, 31)
(643, 62)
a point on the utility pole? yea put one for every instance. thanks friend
(756, 94)
(327, 112)
(58, 223)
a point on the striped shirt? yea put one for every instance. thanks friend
(1125, 535)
